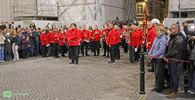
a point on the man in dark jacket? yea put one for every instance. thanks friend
(174, 54)
(192, 58)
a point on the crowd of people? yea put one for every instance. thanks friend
(167, 48)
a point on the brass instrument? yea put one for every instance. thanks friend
(127, 36)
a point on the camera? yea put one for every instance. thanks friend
(190, 27)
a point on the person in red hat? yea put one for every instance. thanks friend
(96, 40)
(73, 43)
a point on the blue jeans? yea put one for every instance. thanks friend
(192, 77)
(174, 79)
(8, 55)
(1, 52)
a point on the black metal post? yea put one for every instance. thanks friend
(142, 55)
(142, 73)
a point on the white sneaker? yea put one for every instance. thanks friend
(2, 61)
(191, 92)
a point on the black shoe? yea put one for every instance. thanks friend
(87, 55)
(63, 56)
(56, 57)
(104, 55)
(150, 70)
(110, 61)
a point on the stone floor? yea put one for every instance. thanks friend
(55, 79)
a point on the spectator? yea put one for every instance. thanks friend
(8, 46)
(192, 58)
(24, 43)
(2, 43)
(156, 53)
(174, 53)
(15, 45)
(36, 35)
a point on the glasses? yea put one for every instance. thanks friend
(173, 28)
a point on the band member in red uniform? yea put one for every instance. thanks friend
(87, 37)
(96, 40)
(124, 43)
(62, 43)
(138, 37)
(44, 42)
(91, 41)
(73, 43)
(104, 36)
(118, 40)
(132, 43)
(55, 40)
(151, 35)
(150, 38)
(81, 47)
(50, 47)
(111, 42)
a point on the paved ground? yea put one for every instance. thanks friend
(55, 79)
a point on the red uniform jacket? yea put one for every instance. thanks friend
(73, 37)
(62, 39)
(150, 37)
(81, 36)
(104, 34)
(111, 39)
(44, 39)
(87, 35)
(49, 37)
(55, 37)
(96, 35)
(138, 37)
(132, 41)
(123, 33)
(118, 34)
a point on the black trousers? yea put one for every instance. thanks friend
(82, 48)
(63, 50)
(86, 45)
(112, 53)
(159, 66)
(55, 50)
(44, 50)
(24, 52)
(105, 46)
(124, 45)
(137, 53)
(117, 51)
(132, 54)
(73, 53)
(96, 47)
